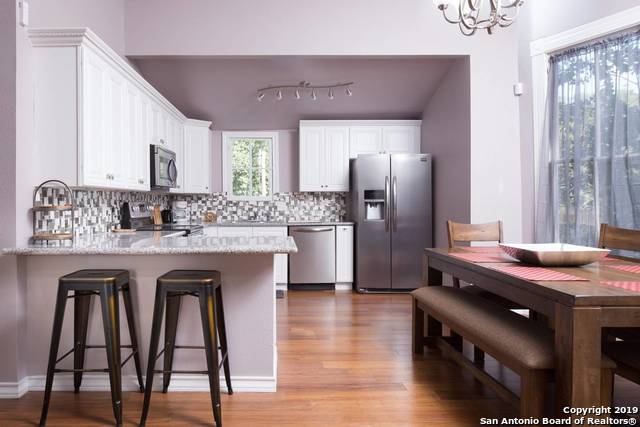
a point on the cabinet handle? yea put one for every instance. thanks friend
(108, 176)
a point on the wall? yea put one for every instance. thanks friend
(104, 17)
(360, 28)
(9, 291)
(542, 19)
(446, 134)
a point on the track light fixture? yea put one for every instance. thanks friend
(306, 87)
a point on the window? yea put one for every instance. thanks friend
(590, 173)
(250, 165)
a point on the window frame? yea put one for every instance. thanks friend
(227, 169)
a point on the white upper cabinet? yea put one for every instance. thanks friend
(311, 157)
(326, 146)
(365, 140)
(95, 116)
(324, 158)
(197, 149)
(336, 160)
(401, 139)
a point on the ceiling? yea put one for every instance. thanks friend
(223, 90)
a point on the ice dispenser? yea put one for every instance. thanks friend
(374, 205)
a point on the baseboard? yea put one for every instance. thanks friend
(344, 286)
(281, 287)
(14, 390)
(100, 382)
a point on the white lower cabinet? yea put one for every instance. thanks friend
(344, 254)
(210, 231)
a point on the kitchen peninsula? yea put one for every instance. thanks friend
(247, 268)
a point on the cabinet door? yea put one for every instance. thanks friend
(145, 132)
(129, 151)
(234, 231)
(196, 165)
(94, 167)
(280, 261)
(365, 140)
(336, 160)
(312, 155)
(116, 147)
(344, 254)
(211, 231)
(175, 143)
(401, 139)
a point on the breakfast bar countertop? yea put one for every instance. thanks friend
(155, 243)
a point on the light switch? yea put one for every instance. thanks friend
(24, 14)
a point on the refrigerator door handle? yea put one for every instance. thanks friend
(387, 204)
(395, 203)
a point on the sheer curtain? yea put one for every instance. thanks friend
(589, 169)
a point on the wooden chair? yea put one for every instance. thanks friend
(625, 352)
(467, 233)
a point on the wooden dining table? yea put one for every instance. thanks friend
(577, 310)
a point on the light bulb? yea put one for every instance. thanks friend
(313, 94)
(296, 95)
(348, 90)
(260, 96)
(330, 93)
(279, 95)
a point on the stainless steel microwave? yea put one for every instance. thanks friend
(164, 172)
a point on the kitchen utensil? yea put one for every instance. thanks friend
(157, 215)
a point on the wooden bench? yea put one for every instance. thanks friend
(522, 345)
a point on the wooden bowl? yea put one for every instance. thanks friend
(554, 254)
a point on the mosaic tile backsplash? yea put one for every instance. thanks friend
(99, 211)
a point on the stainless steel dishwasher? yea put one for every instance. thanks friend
(315, 261)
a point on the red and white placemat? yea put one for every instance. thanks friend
(483, 257)
(536, 273)
(623, 284)
(629, 268)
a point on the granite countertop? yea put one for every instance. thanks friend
(274, 223)
(153, 243)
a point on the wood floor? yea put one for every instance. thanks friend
(344, 359)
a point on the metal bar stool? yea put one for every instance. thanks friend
(171, 287)
(84, 284)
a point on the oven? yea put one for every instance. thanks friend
(164, 172)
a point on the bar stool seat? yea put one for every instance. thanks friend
(107, 284)
(171, 287)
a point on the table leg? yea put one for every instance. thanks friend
(431, 277)
(578, 357)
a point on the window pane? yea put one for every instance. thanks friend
(240, 166)
(261, 168)
(251, 167)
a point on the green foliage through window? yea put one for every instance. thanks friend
(251, 167)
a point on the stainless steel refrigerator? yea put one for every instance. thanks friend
(391, 205)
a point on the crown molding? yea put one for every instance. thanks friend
(84, 37)
(198, 123)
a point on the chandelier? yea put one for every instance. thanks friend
(468, 13)
(304, 87)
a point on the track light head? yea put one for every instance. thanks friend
(348, 91)
(330, 93)
(313, 94)
(296, 94)
(260, 96)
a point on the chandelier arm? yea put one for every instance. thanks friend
(449, 20)
(474, 5)
(466, 31)
(515, 3)
(469, 21)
